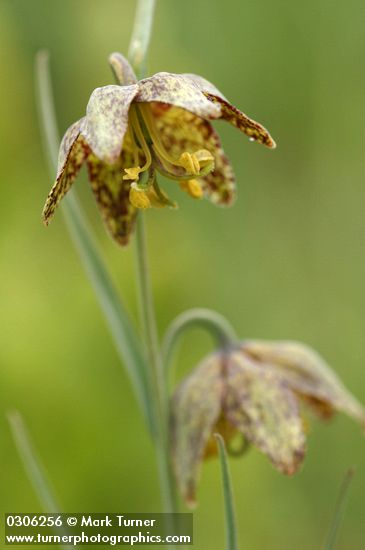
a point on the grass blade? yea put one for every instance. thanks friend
(123, 332)
(231, 530)
(33, 468)
(339, 513)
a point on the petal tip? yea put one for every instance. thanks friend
(190, 500)
(271, 143)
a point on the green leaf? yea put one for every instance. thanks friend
(332, 536)
(231, 529)
(33, 468)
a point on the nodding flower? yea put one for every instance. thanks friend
(136, 129)
(254, 390)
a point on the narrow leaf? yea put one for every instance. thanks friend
(231, 529)
(338, 516)
(33, 467)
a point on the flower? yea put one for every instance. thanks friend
(134, 129)
(254, 389)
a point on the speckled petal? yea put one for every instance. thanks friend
(72, 153)
(195, 407)
(107, 120)
(177, 90)
(308, 374)
(260, 405)
(252, 129)
(247, 125)
(219, 185)
(181, 131)
(112, 194)
(122, 69)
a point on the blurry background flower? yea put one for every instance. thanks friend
(253, 389)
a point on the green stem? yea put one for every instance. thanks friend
(137, 56)
(141, 35)
(231, 528)
(160, 395)
(146, 304)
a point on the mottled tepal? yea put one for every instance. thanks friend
(254, 389)
(133, 130)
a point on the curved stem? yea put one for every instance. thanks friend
(213, 322)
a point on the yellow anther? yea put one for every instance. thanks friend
(186, 160)
(194, 162)
(132, 173)
(192, 188)
(204, 157)
(138, 198)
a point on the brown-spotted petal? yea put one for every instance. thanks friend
(122, 69)
(195, 409)
(177, 90)
(182, 131)
(252, 129)
(112, 194)
(107, 120)
(308, 374)
(220, 184)
(264, 409)
(72, 153)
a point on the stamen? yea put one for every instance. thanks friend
(190, 163)
(153, 132)
(193, 163)
(192, 188)
(133, 173)
(204, 157)
(138, 197)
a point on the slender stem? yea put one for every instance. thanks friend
(137, 56)
(160, 396)
(141, 35)
(147, 309)
(339, 510)
(231, 528)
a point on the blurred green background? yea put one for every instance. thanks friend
(287, 262)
